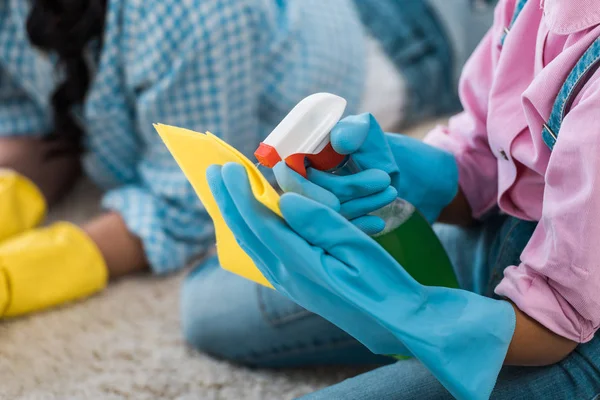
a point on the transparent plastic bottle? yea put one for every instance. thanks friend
(409, 239)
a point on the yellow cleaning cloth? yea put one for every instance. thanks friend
(195, 152)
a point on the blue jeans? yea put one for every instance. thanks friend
(234, 319)
(231, 318)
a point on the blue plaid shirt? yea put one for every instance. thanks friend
(232, 67)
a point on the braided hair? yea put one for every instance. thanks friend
(65, 27)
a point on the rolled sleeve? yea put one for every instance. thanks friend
(466, 134)
(477, 167)
(558, 280)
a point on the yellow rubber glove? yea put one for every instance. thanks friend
(22, 206)
(47, 267)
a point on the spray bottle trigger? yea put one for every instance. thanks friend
(325, 160)
(297, 162)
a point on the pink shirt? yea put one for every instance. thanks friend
(508, 93)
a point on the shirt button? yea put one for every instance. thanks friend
(503, 154)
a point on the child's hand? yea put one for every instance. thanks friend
(323, 263)
(357, 195)
(393, 166)
(46, 267)
(354, 196)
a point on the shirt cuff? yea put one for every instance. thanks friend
(168, 244)
(535, 296)
(22, 124)
(477, 171)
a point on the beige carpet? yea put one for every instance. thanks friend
(126, 344)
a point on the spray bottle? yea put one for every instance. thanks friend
(302, 139)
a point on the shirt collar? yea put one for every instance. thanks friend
(564, 17)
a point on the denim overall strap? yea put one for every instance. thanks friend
(518, 8)
(511, 238)
(583, 70)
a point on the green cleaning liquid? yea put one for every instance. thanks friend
(410, 239)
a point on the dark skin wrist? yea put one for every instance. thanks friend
(28, 156)
(458, 212)
(532, 343)
(122, 251)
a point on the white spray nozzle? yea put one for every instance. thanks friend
(305, 130)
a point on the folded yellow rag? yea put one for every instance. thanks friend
(195, 152)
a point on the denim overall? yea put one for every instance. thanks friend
(233, 318)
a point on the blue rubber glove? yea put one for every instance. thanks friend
(325, 264)
(353, 196)
(423, 175)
